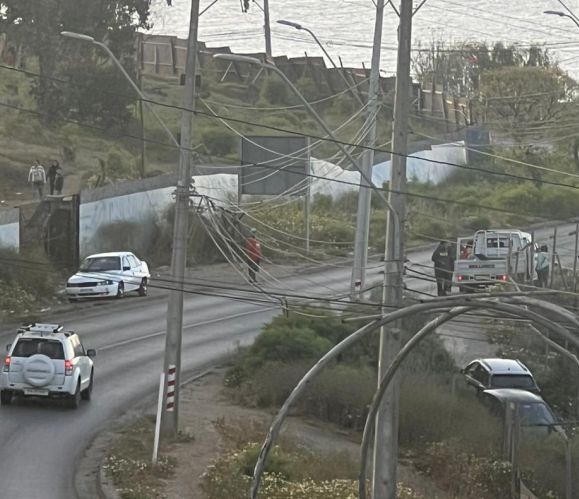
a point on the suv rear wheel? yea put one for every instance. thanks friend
(73, 401)
(87, 392)
(6, 397)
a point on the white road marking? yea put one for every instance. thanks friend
(190, 326)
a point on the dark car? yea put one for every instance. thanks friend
(485, 374)
(534, 414)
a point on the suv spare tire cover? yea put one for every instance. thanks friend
(39, 370)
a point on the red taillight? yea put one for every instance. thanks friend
(68, 368)
(503, 278)
(460, 278)
(7, 361)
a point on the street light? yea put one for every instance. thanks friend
(256, 62)
(90, 39)
(561, 14)
(299, 27)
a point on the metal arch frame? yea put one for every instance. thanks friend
(467, 303)
(416, 339)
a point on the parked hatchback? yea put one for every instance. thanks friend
(487, 374)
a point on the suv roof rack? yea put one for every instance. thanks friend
(41, 328)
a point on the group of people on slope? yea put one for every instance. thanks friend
(444, 258)
(37, 177)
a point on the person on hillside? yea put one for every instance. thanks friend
(37, 177)
(58, 182)
(543, 266)
(443, 268)
(253, 251)
(52, 175)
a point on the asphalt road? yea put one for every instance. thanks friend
(41, 442)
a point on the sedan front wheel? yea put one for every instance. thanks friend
(120, 290)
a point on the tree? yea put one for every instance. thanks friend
(35, 26)
(526, 103)
(459, 68)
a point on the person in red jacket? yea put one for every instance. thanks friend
(253, 251)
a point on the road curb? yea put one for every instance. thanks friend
(104, 485)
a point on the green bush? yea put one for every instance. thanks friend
(426, 227)
(308, 88)
(30, 270)
(479, 222)
(430, 412)
(287, 344)
(220, 140)
(463, 474)
(276, 92)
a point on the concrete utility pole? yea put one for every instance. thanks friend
(174, 337)
(365, 194)
(267, 29)
(386, 440)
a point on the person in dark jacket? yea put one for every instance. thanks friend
(52, 175)
(58, 182)
(443, 268)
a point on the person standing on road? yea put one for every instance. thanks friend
(52, 175)
(443, 268)
(542, 267)
(37, 177)
(253, 251)
(58, 182)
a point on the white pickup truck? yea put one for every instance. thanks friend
(496, 255)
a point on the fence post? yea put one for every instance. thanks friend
(158, 422)
(568, 470)
(552, 269)
(515, 434)
(531, 264)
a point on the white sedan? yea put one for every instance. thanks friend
(109, 275)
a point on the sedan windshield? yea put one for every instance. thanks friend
(536, 414)
(510, 381)
(101, 264)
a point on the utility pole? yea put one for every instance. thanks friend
(174, 337)
(386, 440)
(365, 193)
(267, 30)
(141, 115)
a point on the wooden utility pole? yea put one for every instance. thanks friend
(386, 444)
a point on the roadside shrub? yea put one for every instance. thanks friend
(465, 475)
(308, 88)
(426, 227)
(286, 344)
(276, 92)
(479, 222)
(14, 300)
(430, 413)
(30, 270)
(138, 237)
(224, 479)
(219, 140)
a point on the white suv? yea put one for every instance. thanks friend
(46, 361)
